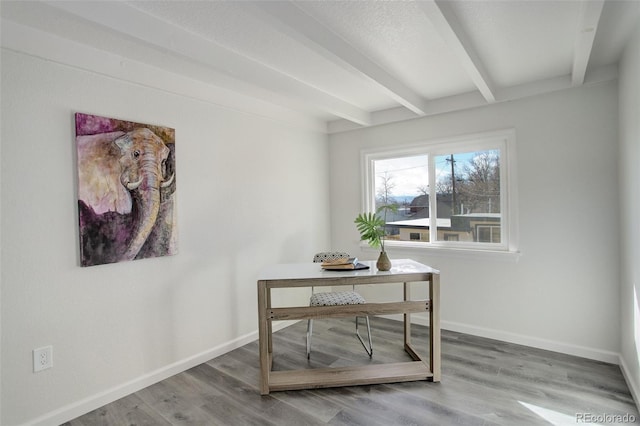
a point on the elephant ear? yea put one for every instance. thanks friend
(165, 151)
(124, 143)
(99, 173)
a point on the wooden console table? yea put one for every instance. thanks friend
(311, 274)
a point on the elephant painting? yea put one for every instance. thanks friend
(126, 190)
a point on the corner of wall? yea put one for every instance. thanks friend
(629, 152)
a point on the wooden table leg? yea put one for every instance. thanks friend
(270, 327)
(263, 337)
(434, 326)
(407, 317)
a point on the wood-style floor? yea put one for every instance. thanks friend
(484, 382)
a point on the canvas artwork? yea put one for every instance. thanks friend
(126, 190)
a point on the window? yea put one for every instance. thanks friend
(453, 193)
(488, 234)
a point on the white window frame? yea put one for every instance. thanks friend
(504, 140)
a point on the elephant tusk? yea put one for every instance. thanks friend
(131, 186)
(167, 183)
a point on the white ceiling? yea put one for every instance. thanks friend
(356, 63)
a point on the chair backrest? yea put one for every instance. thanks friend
(329, 255)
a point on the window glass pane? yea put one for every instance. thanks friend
(468, 196)
(403, 181)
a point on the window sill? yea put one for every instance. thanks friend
(400, 250)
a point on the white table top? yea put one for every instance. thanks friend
(296, 271)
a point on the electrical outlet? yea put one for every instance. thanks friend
(42, 358)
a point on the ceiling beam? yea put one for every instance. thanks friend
(162, 35)
(474, 99)
(590, 12)
(55, 48)
(443, 18)
(317, 37)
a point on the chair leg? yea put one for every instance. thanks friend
(370, 349)
(309, 332)
(369, 334)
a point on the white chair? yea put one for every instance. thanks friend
(336, 298)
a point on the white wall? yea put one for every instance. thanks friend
(241, 182)
(563, 292)
(630, 212)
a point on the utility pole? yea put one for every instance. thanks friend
(453, 185)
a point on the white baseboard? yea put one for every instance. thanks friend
(76, 409)
(535, 342)
(634, 386)
(520, 339)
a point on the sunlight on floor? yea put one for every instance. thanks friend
(554, 417)
(559, 419)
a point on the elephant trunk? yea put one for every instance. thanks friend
(147, 201)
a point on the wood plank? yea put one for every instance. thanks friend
(264, 336)
(348, 376)
(412, 352)
(130, 410)
(343, 311)
(406, 289)
(434, 326)
(175, 400)
(348, 280)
